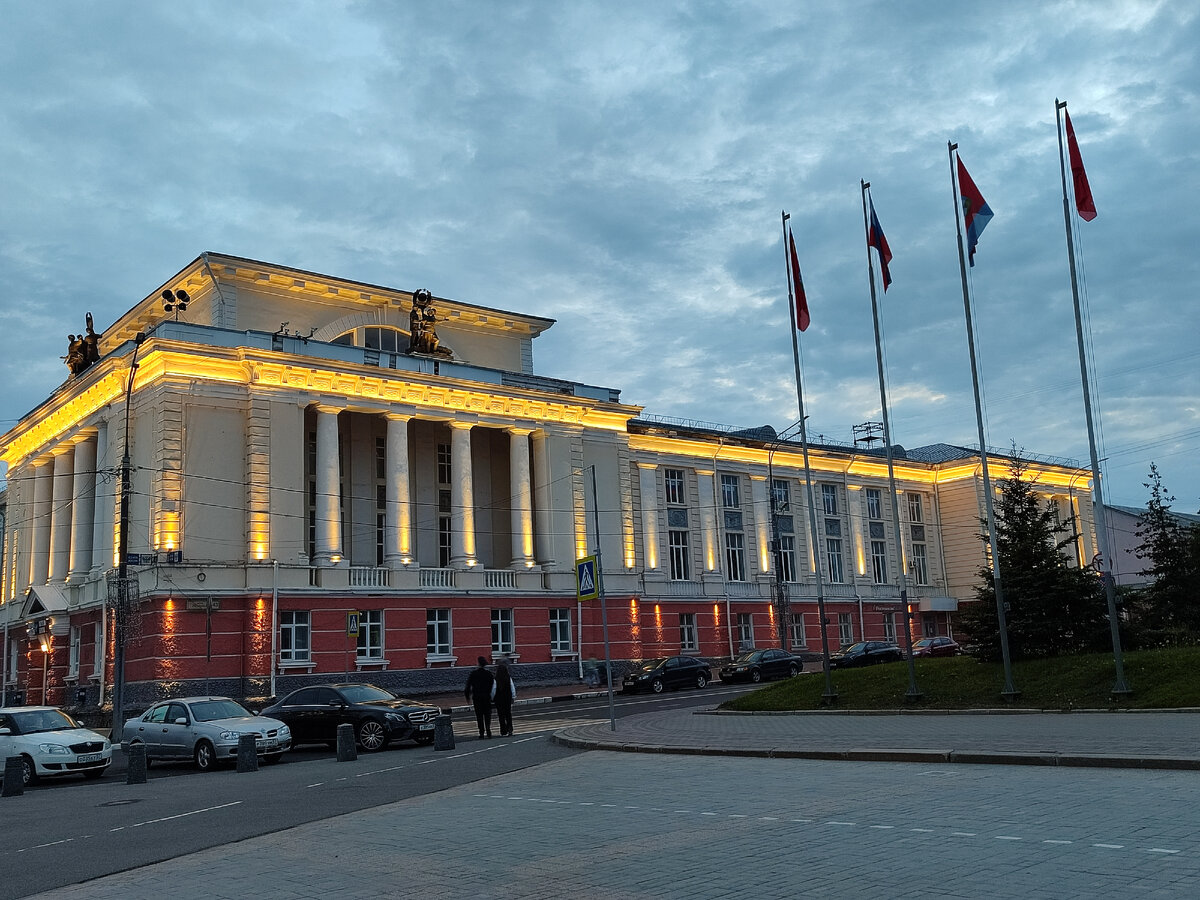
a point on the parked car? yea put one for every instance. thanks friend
(378, 716)
(50, 743)
(205, 730)
(759, 665)
(671, 672)
(936, 646)
(865, 653)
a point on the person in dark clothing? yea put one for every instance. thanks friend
(506, 693)
(480, 687)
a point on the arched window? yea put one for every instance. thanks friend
(375, 337)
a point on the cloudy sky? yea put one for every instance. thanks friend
(621, 168)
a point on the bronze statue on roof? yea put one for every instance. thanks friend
(422, 337)
(83, 349)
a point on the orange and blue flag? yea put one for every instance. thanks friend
(976, 212)
(876, 239)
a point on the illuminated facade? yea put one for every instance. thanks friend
(293, 462)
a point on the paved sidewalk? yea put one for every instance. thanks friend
(1149, 740)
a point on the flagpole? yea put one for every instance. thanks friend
(913, 693)
(1009, 693)
(830, 696)
(1120, 687)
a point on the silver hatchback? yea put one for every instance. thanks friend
(205, 730)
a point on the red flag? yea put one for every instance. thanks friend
(1083, 191)
(876, 239)
(801, 311)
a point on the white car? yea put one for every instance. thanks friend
(50, 743)
(205, 730)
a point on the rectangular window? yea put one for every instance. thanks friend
(502, 631)
(845, 629)
(380, 522)
(918, 565)
(294, 636)
(445, 529)
(874, 503)
(730, 495)
(560, 630)
(311, 510)
(833, 549)
(780, 496)
(879, 561)
(889, 627)
(370, 634)
(73, 652)
(798, 635)
(745, 630)
(437, 632)
(443, 463)
(829, 499)
(735, 556)
(787, 557)
(673, 480)
(98, 648)
(681, 552)
(687, 632)
(915, 512)
(13, 652)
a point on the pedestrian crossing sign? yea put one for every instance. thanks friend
(587, 586)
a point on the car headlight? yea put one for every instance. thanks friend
(285, 731)
(53, 749)
(230, 735)
(395, 717)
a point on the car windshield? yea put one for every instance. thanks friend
(924, 642)
(36, 720)
(651, 664)
(365, 693)
(749, 656)
(856, 648)
(211, 710)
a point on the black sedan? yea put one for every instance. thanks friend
(759, 665)
(669, 672)
(866, 653)
(378, 716)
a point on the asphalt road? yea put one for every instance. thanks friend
(63, 832)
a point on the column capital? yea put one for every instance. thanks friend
(327, 408)
(708, 472)
(459, 425)
(63, 449)
(399, 417)
(518, 430)
(83, 436)
(645, 465)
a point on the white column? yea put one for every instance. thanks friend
(328, 475)
(39, 522)
(106, 506)
(861, 562)
(60, 514)
(543, 498)
(462, 497)
(761, 505)
(398, 549)
(83, 507)
(648, 481)
(708, 518)
(522, 498)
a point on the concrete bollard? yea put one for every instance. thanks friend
(347, 751)
(14, 777)
(443, 733)
(135, 773)
(247, 758)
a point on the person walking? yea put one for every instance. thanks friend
(480, 688)
(506, 692)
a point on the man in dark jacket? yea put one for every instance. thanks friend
(480, 684)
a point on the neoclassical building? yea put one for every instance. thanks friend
(331, 479)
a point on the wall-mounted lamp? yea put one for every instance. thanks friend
(176, 301)
(44, 643)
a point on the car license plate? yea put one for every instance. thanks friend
(90, 758)
(267, 745)
(428, 726)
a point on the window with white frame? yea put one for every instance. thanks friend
(370, 634)
(787, 557)
(918, 566)
(781, 496)
(97, 647)
(13, 652)
(879, 561)
(735, 556)
(730, 492)
(502, 631)
(889, 627)
(829, 499)
(745, 630)
(673, 481)
(798, 635)
(915, 511)
(74, 640)
(294, 644)
(437, 632)
(874, 503)
(845, 629)
(687, 632)
(680, 553)
(445, 517)
(560, 630)
(833, 552)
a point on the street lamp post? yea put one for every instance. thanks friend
(782, 601)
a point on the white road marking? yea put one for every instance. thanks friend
(877, 826)
(1008, 837)
(193, 812)
(922, 830)
(1110, 846)
(1160, 850)
(851, 824)
(50, 844)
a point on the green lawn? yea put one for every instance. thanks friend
(1159, 679)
